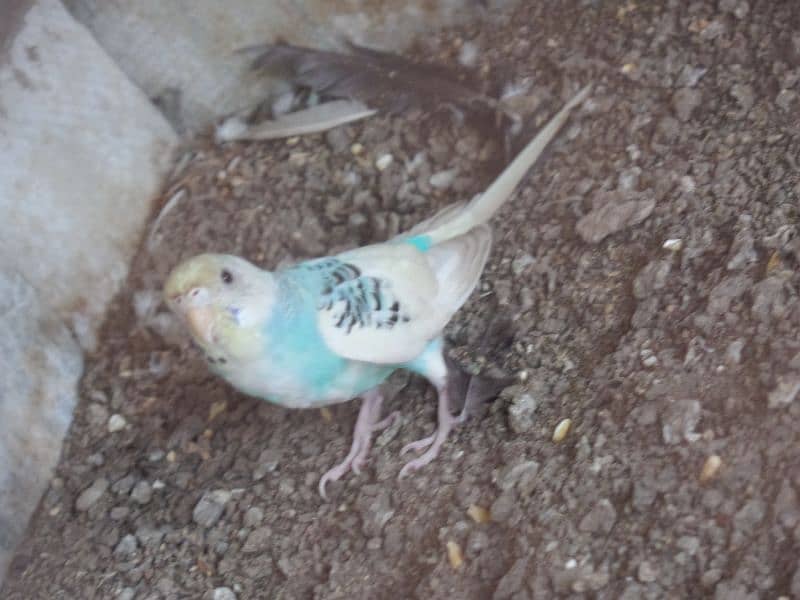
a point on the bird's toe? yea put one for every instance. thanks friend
(418, 445)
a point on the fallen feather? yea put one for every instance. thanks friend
(316, 119)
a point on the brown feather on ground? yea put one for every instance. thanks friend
(379, 79)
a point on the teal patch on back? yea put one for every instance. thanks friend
(420, 242)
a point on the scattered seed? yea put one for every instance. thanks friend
(356, 149)
(216, 409)
(455, 555)
(327, 415)
(710, 468)
(204, 567)
(561, 430)
(774, 262)
(479, 514)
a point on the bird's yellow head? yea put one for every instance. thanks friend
(221, 298)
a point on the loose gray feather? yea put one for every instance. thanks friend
(379, 79)
(315, 119)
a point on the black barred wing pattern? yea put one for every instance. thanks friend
(355, 300)
(377, 303)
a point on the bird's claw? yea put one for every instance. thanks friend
(333, 474)
(418, 462)
(358, 463)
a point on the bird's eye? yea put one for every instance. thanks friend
(226, 276)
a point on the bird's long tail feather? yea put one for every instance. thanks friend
(481, 208)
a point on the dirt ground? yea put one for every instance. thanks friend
(649, 264)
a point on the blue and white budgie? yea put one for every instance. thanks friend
(333, 329)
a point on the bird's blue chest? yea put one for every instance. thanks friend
(297, 347)
(298, 369)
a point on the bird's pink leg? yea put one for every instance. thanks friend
(366, 424)
(433, 442)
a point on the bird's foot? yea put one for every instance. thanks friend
(427, 441)
(434, 442)
(336, 472)
(366, 425)
(433, 445)
(366, 442)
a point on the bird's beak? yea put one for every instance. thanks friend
(199, 317)
(200, 320)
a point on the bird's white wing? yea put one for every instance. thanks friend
(385, 303)
(447, 214)
(379, 305)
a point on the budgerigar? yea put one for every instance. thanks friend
(332, 329)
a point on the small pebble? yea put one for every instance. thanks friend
(520, 263)
(646, 573)
(224, 593)
(119, 512)
(468, 54)
(784, 393)
(91, 495)
(116, 423)
(126, 547)
(443, 179)
(95, 459)
(142, 492)
(521, 413)
(383, 162)
(673, 244)
(126, 594)
(733, 354)
(253, 516)
(209, 509)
